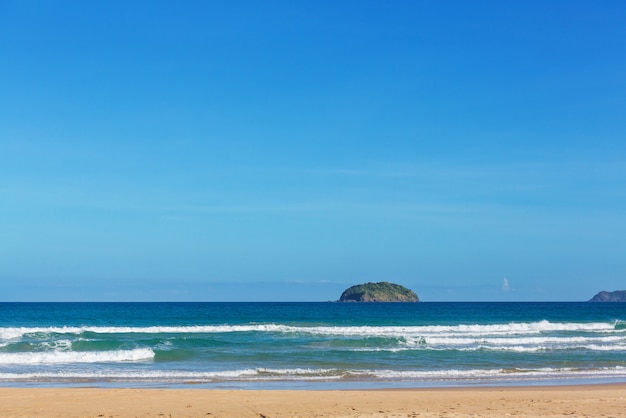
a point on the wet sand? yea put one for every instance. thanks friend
(556, 401)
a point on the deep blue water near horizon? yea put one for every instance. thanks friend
(309, 345)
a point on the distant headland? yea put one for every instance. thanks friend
(378, 292)
(616, 296)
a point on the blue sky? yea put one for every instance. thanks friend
(282, 150)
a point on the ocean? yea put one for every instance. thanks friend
(310, 345)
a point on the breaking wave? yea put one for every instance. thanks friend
(384, 331)
(299, 374)
(58, 357)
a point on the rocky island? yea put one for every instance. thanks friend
(616, 296)
(378, 292)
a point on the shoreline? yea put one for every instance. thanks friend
(607, 399)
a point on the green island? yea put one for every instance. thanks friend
(378, 292)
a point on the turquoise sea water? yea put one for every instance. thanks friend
(310, 345)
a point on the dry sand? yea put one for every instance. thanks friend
(574, 401)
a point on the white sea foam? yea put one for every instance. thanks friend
(262, 374)
(57, 357)
(452, 341)
(518, 343)
(61, 345)
(528, 348)
(11, 333)
(531, 337)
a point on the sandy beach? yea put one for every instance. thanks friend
(576, 401)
